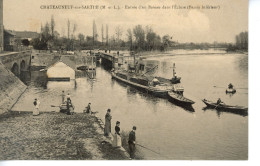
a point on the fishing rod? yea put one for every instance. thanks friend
(226, 87)
(152, 150)
(148, 149)
(54, 106)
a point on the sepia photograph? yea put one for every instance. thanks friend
(124, 80)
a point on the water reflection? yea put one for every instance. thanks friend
(173, 131)
(221, 111)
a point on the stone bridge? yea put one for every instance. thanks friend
(16, 61)
(110, 59)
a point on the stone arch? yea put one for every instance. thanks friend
(22, 66)
(15, 69)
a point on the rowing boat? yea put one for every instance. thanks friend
(223, 106)
(230, 90)
(63, 108)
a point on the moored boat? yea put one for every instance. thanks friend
(63, 107)
(177, 97)
(158, 89)
(223, 106)
(180, 98)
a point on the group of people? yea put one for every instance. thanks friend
(117, 142)
(70, 107)
(107, 51)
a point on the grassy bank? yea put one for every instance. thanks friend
(54, 136)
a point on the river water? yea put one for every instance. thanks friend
(172, 131)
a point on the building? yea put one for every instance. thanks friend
(1, 27)
(62, 70)
(9, 38)
(29, 35)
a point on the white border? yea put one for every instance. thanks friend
(254, 115)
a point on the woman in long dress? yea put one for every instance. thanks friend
(107, 129)
(37, 106)
(117, 138)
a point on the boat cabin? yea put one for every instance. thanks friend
(178, 89)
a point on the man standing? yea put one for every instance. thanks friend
(108, 118)
(131, 143)
(68, 96)
(62, 97)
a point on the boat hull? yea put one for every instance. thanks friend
(225, 107)
(146, 89)
(231, 91)
(176, 98)
(63, 108)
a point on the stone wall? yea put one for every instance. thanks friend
(11, 88)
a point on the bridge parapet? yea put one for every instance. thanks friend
(16, 61)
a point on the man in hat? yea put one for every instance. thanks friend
(131, 143)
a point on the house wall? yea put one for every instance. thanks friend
(8, 42)
(60, 70)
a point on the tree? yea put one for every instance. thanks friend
(81, 38)
(68, 26)
(242, 40)
(107, 35)
(102, 34)
(166, 41)
(95, 35)
(139, 34)
(74, 30)
(25, 42)
(130, 38)
(118, 32)
(150, 38)
(157, 42)
(52, 27)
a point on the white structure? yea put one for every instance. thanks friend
(60, 72)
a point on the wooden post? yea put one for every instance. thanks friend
(173, 70)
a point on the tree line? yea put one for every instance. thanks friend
(241, 42)
(138, 38)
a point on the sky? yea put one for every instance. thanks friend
(184, 25)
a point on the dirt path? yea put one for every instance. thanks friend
(53, 136)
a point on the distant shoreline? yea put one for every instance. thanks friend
(157, 54)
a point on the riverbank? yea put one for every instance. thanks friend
(54, 136)
(11, 88)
